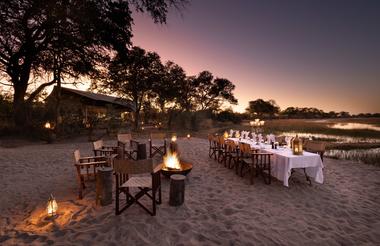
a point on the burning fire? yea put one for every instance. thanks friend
(171, 161)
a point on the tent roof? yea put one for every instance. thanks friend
(100, 98)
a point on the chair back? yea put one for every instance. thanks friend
(157, 136)
(230, 145)
(280, 140)
(133, 167)
(213, 140)
(315, 147)
(125, 137)
(98, 144)
(76, 156)
(245, 149)
(220, 140)
(210, 138)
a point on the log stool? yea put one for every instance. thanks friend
(104, 186)
(177, 190)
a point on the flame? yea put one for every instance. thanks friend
(47, 125)
(174, 138)
(52, 206)
(225, 135)
(188, 136)
(171, 161)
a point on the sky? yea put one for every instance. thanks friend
(303, 53)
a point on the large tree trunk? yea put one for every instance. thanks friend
(57, 78)
(137, 118)
(20, 108)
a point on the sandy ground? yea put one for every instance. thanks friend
(220, 208)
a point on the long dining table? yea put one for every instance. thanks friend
(284, 161)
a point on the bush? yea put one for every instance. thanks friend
(228, 115)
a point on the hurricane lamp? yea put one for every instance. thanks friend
(297, 146)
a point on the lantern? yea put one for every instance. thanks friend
(251, 123)
(225, 135)
(297, 146)
(47, 125)
(52, 206)
(262, 123)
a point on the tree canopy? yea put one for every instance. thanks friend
(261, 107)
(40, 36)
(211, 92)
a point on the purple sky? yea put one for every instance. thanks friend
(323, 54)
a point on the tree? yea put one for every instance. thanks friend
(210, 92)
(168, 90)
(36, 33)
(187, 94)
(261, 107)
(132, 77)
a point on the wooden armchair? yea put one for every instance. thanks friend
(255, 163)
(221, 149)
(128, 145)
(262, 161)
(157, 144)
(146, 185)
(212, 146)
(281, 140)
(100, 149)
(232, 154)
(245, 160)
(315, 147)
(86, 166)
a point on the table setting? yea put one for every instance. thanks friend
(285, 160)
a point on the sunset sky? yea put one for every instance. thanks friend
(323, 54)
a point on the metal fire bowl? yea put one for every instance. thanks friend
(185, 169)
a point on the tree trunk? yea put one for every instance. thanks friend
(20, 109)
(137, 118)
(170, 119)
(57, 78)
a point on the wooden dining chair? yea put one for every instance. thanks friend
(100, 149)
(148, 185)
(221, 149)
(157, 144)
(86, 167)
(262, 162)
(315, 147)
(128, 145)
(213, 146)
(245, 160)
(232, 154)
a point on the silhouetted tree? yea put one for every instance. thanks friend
(36, 32)
(188, 93)
(133, 76)
(210, 92)
(261, 107)
(168, 89)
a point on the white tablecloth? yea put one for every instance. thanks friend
(284, 161)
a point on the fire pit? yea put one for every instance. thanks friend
(173, 165)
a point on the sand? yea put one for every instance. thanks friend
(220, 208)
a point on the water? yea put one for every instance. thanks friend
(368, 156)
(355, 126)
(332, 138)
